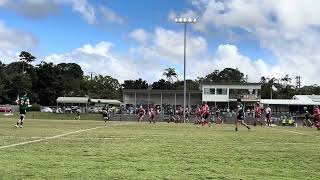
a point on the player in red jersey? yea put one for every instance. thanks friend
(152, 114)
(257, 114)
(205, 114)
(316, 117)
(141, 113)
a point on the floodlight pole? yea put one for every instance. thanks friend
(184, 73)
(185, 21)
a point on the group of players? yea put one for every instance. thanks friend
(201, 115)
(316, 118)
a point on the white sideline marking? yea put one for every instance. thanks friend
(57, 136)
(292, 132)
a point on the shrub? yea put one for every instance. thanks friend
(34, 107)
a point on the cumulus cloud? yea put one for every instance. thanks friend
(33, 9)
(110, 16)
(13, 40)
(36, 9)
(166, 47)
(140, 35)
(100, 58)
(85, 9)
(289, 28)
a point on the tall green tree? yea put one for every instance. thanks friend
(191, 85)
(163, 84)
(227, 75)
(26, 58)
(105, 87)
(135, 84)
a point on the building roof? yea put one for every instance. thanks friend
(76, 100)
(106, 101)
(158, 91)
(296, 100)
(235, 84)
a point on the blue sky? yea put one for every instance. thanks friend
(255, 36)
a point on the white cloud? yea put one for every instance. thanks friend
(100, 59)
(140, 35)
(12, 41)
(289, 28)
(167, 46)
(110, 16)
(84, 8)
(36, 9)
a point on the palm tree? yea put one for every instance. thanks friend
(286, 79)
(170, 73)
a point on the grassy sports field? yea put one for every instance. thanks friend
(72, 149)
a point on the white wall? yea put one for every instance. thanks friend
(215, 98)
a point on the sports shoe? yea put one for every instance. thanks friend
(248, 127)
(236, 129)
(16, 126)
(21, 126)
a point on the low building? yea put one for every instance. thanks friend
(296, 104)
(226, 95)
(221, 95)
(145, 97)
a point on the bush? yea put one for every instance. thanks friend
(34, 107)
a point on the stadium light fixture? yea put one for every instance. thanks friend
(185, 21)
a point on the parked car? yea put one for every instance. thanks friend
(47, 110)
(5, 109)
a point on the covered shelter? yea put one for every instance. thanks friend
(99, 102)
(73, 101)
(295, 104)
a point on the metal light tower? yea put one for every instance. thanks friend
(185, 21)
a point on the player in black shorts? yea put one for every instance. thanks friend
(240, 117)
(171, 115)
(307, 122)
(105, 113)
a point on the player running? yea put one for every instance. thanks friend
(316, 117)
(171, 115)
(152, 114)
(205, 114)
(240, 117)
(198, 115)
(187, 115)
(141, 113)
(257, 114)
(179, 113)
(105, 113)
(23, 103)
(268, 115)
(218, 116)
(306, 121)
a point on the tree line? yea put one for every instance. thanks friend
(45, 82)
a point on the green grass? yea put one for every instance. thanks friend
(160, 151)
(54, 116)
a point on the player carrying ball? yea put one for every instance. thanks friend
(23, 103)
